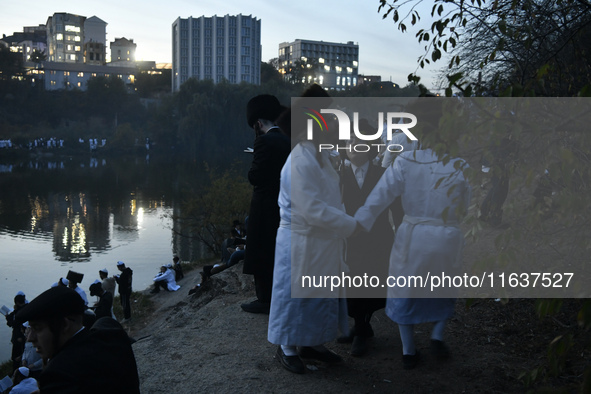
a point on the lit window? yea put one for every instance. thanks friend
(77, 48)
(69, 47)
(321, 60)
(79, 84)
(338, 80)
(66, 73)
(326, 68)
(59, 36)
(77, 38)
(349, 70)
(355, 64)
(52, 83)
(73, 28)
(321, 79)
(80, 75)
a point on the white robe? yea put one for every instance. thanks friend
(428, 240)
(313, 226)
(169, 277)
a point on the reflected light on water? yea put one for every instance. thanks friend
(140, 216)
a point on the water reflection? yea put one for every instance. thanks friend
(83, 204)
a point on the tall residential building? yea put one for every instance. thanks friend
(216, 48)
(330, 64)
(95, 37)
(65, 38)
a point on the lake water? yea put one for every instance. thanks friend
(85, 214)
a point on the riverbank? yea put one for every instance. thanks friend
(206, 343)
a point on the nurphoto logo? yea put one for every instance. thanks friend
(394, 121)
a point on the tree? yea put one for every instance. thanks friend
(37, 56)
(207, 216)
(521, 48)
(269, 72)
(539, 46)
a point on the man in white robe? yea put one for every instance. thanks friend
(426, 241)
(165, 279)
(435, 196)
(310, 241)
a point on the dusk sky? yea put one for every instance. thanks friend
(383, 50)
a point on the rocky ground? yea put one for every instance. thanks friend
(206, 343)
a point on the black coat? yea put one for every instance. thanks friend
(270, 153)
(124, 281)
(367, 252)
(99, 360)
(103, 308)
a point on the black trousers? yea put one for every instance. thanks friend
(125, 304)
(263, 285)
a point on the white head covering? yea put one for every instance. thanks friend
(96, 281)
(104, 271)
(120, 263)
(24, 371)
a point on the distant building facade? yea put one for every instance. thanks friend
(69, 76)
(332, 65)
(32, 38)
(366, 79)
(95, 37)
(216, 48)
(123, 51)
(65, 38)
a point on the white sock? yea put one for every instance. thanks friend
(289, 350)
(407, 332)
(438, 330)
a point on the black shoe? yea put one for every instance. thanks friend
(366, 331)
(409, 361)
(327, 356)
(439, 349)
(291, 363)
(359, 346)
(194, 290)
(256, 307)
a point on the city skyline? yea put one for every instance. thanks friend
(383, 50)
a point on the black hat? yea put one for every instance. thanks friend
(74, 276)
(315, 90)
(264, 106)
(58, 301)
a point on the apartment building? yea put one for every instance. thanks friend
(65, 38)
(330, 64)
(216, 48)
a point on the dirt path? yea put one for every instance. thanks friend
(206, 343)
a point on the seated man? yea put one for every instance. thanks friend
(165, 279)
(209, 270)
(104, 306)
(178, 268)
(80, 360)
